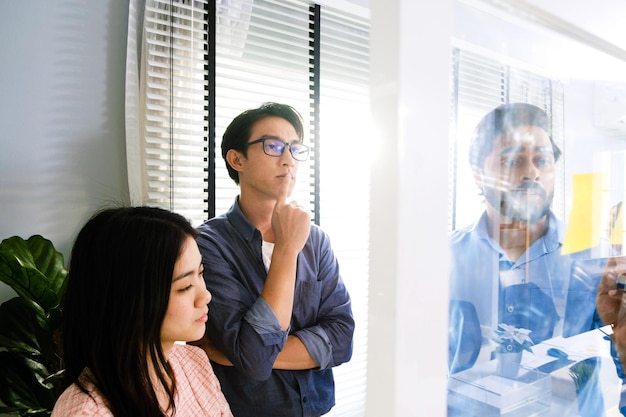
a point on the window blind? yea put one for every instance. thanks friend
(174, 90)
(344, 146)
(481, 84)
(262, 54)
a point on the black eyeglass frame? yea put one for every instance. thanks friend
(286, 144)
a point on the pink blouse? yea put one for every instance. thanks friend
(198, 392)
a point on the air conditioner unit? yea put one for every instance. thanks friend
(609, 108)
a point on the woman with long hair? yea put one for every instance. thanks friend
(134, 289)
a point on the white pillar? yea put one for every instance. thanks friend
(408, 305)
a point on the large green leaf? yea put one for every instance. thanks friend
(19, 329)
(34, 269)
(22, 384)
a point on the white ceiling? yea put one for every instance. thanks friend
(603, 18)
(599, 26)
(567, 39)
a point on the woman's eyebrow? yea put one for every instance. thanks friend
(185, 274)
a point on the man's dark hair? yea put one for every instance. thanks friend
(237, 133)
(504, 119)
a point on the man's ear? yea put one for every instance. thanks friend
(235, 159)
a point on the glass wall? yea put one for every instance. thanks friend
(536, 159)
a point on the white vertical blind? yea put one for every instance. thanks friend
(262, 54)
(175, 136)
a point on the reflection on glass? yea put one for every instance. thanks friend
(535, 223)
(615, 230)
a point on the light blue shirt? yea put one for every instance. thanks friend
(480, 271)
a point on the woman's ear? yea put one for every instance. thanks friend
(235, 159)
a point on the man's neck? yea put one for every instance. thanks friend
(259, 214)
(515, 237)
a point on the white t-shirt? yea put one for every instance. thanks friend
(267, 248)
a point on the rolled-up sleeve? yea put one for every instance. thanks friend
(317, 343)
(263, 320)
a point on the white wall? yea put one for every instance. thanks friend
(62, 149)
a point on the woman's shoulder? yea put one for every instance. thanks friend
(199, 391)
(191, 366)
(74, 402)
(188, 356)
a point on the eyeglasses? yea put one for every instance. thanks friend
(276, 147)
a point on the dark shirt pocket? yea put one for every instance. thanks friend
(306, 304)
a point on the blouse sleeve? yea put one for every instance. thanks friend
(196, 382)
(75, 403)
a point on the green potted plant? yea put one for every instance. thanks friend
(31, 368)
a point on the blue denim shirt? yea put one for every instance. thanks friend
(243, 326)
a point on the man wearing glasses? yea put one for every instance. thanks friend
(280, 318)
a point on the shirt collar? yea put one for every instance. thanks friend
(553, 237)
(240, 223)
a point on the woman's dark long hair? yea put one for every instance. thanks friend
(119, 281)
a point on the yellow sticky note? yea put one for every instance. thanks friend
(584, 224)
